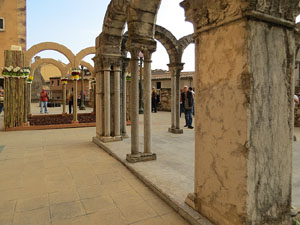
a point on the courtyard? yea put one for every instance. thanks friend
(61, 177)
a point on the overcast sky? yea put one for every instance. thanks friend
(76, 24)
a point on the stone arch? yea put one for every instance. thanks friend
(48, 46)
(56, 63)
(83, 63)
(83, 53)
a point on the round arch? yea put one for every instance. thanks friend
(48, 46)
(56, 63)
(83, 63)
(83, 53)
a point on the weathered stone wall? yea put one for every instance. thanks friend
(165, 100)
(128, 90)
(270, 125)
(37, 84)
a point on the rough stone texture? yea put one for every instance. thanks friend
(244, 116)
(36, 85)
(165, 99)
(270, 123)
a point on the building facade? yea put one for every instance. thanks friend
(12, 26)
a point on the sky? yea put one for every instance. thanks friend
(77, 23)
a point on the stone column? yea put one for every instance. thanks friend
(244, 110)
(82, 74)
(75, 119)
(99, 104)
(29, 98)
(117, 102)
(107, 131)
(25, 103)
(123, 85)
(147, 106)
(175, 70)
(64, 90)
(135, 155)
(134, 108)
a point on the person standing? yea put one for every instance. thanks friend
(187, 102)
(70, 102)
(43, 100)
(154, 100)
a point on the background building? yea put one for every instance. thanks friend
(12, 26)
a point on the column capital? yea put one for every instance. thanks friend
(205, 14)
(147, 46)
(175, 68)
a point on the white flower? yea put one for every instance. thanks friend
(26, 70)
(16, 69)
(9, 69)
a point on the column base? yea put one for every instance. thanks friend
(140, 157)
(27, 124)
(191, 200)
(64, 114)
(75, 122)
(125, 135)
(175, 130)
(81, 107)
(110, 139)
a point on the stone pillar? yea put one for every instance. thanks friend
(175, 97)
(106, 83)
(117, 102)
(147, 107)
(82, 74)
(244, 110)
(75, 119)
(99, 105)
(134, 108)
(64, 90)
(29, 98)
(123, 100)
(135, 155)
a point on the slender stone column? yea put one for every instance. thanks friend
(29, 98)
(107, 130)
(135, 155)
(147, 103)
(64, 90)
(123, 114)
(175, 97)
(94, 97)
(117, 116)
(244, 110)
(25, 103)
(75, 119)
(134, 103)
(99, 104)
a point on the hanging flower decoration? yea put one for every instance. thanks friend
(75, 73)
(30, 79)
(64, 80)
(128, 76)
(11, 71)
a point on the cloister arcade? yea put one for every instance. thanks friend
(244, 87)
(74, 62)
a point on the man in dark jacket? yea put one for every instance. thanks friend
(187, 102)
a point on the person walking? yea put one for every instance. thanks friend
(70, 103)
(43, 100)
(154, 100)
(187, 102)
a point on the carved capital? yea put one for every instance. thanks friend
(204, 13)
(147, 46)
(175, 68)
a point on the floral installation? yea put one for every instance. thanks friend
(30, 79)
(128, 76)
(11, 71)
(75, 73)
(64, 80)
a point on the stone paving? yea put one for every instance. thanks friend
(59, 177)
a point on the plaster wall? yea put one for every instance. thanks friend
(14, 14)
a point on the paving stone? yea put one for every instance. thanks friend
(108, 217)
(66, 210)
(152, 221)
(127, 198)
(159, 206)
(63, 196)
(96, 204)
(33, 217)
(32, 203)
(173, 219)
(91, 191)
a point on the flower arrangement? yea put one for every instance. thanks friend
(75, 73)
(30, 79)
(11, 71)
(64, 80)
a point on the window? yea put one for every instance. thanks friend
(52, 83)
(2, 24)
(158, 85)
(58, 82)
